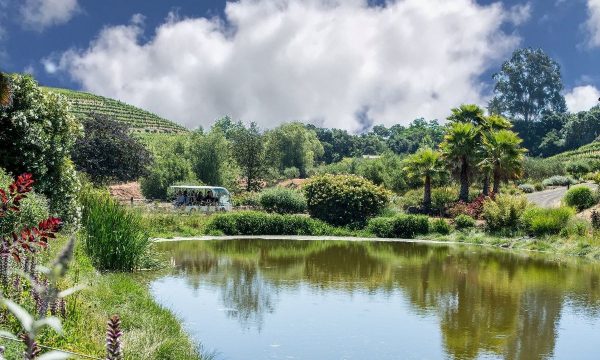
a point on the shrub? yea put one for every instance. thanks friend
(246, 199)
(527, 188)
(595, 219)
(291, 173)
(576, 227)
(538, 221)
(539, 186)
(440, 226)
(558, 180)
(504, 212)
(442, 199)
(539, 169)
(164, 172)
(472, 209)
(344, 199)
(283, 201)
(580, 197)
(400, 226)
(260, 223)
(464, 222)
(114, 237)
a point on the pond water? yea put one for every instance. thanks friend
(265, 299)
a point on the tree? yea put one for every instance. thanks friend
(528, 86)
(503, 154)
(425, 164)
(107, 152)
(293, 145)
(468, 113)
(5, 90)
(210, 156)
(459, 149)
(165, 171)
(248, 150)
(37, 135)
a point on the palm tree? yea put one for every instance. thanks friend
(490, 123)
(459, 148)
(468, 113)
(5, 90)
(425, 164)
(503, 154)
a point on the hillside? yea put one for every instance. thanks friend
(140, 120)
(586, 152)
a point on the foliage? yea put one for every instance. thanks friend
(463, 221)
(399, 226)
(246, 199)
(558, 180)
(283, 201)
(539, 187)
(107, 152)
(595, 219)
(528, 85)
(164, 172)
(578, 168)
(260, 223)
(41, 133)
(540, 222)
(425, 164)
(539, 169)
(527, 188)
(459, 151)
(248, 150)
(114, 237)
(502, 155)
(291, 173)
(503, 213)
(473, 208)
(293, 144)
(211, 158)
(5, 90)
(580, 197)
(344, 199)
(442, 199)
(440, 226)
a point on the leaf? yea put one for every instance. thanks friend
(54, 355)
(21, 314)
(52, 322)
(6, 334)
(70, 291)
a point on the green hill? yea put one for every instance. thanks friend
(139, 120)
(590, 152)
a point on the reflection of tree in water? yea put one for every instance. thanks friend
(487, 302)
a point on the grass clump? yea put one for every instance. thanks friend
(464, 222)
(440, 226)
(580, 197)
(504, 212)
(114, 237)
(400, 226)
(539, 222)
(283, 201)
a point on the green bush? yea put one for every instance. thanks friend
(344, 199)
(291, 173)
(538, 221)
(260, 223)
(578, 168)
(580, 197)
(527, 188)
(538, 169)
(539, 187)
(114, 237)
(246, 199)
(442, 199)
(283, 201)
(504, 212)
(164, 172)
(558, 180)
(440, 226)
(464, 222)
(400, 226)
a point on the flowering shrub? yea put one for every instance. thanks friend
(473, 209)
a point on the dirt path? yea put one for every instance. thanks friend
(551, 198)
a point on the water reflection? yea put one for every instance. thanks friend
(485, 303)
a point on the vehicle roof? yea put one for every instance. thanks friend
(195, 187)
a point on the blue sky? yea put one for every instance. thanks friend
(268, 60)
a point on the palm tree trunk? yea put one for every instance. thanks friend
(496, 181)
(464, 181)
(427, 195)
(486, 184)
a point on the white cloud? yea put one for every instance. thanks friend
(40, 14)
(520, 13)
(319, 61)
(593, 23)
(582, 98)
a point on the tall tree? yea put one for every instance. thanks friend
(459, 148)
(528, 86)
(503, 154)
(248, 150)
(425, 164)
(293, 145)
(210, 157)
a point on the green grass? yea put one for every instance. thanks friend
(84, 103)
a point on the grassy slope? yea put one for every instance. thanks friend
(84, 103)
(150, 331)
(586, 152)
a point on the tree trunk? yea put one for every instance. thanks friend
(486, 184)
(427, 195)
(496, 181)
(464, 181)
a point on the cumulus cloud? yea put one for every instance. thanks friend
(335, 63)
(40, 14)
(582, 98)
(593, 22)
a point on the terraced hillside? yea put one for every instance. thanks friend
(140, 120)
(586, 152)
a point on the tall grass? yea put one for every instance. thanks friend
(114, 237)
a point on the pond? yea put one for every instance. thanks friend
(266, 299)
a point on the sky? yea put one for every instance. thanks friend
(348, 64)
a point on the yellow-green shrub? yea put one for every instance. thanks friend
(504, 212)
